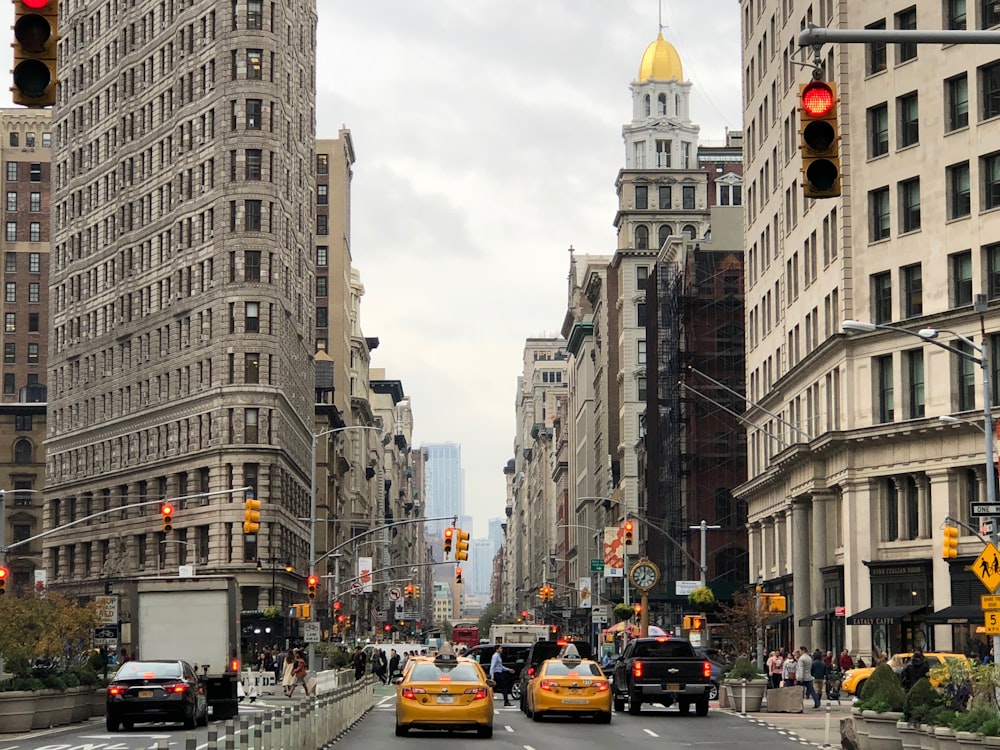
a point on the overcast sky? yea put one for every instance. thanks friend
(488, 140)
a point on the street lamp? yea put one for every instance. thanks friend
(929, 335)
(704, 527)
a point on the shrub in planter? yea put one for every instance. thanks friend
(22, 683)
(743, 668)
(71, 679)
(55, 682)
(882, 691)
(942, 716)
(920, 701)
(973, 719)
(990, 727)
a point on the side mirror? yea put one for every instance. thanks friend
(491, 683)
(397, 680)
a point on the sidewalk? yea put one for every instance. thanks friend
(818, 726)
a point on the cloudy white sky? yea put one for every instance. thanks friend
(488, 139)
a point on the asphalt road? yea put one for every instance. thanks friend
(654, 728)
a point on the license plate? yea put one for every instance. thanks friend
(446, 699)
(145, 693)
(575, 701)
(672, 686)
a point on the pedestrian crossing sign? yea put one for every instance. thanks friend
(987, 567)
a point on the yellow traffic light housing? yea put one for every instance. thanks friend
(819, 139)
(458, 574)
(251, 513)
(312, 582)
(462, 545)
(448, 534)
(167, 512)
(950, 550)
(36, 31)
(416, 591)
(629, 533)
(4, 574)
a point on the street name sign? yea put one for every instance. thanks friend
(986, 509)
(596, 565)
(987, 567)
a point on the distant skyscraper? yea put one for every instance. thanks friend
(443, 490)
(481, 553)
(495, 533)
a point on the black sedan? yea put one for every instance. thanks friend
(144, 691)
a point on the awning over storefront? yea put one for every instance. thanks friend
(883, 615)
(823, 614)
(959, 614)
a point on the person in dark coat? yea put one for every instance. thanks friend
(393, 663)
(916, 668)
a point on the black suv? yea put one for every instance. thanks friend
(514, 656)
(538, 653)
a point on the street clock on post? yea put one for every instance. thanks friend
(644, 574)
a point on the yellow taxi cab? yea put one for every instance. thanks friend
(568, 684)
(444, 691)
(854, 679)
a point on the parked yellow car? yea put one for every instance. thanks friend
(854, 679)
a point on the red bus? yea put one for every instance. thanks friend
(465, 637)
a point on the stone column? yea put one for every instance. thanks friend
(801, 565)
(923, 505)
(821, 544)
(901, 515)
(780, 542)
(767, 532)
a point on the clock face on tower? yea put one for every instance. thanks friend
(644, 575)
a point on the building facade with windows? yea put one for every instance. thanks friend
(851, 470)
(182, 290)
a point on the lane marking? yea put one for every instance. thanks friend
(509, 728)
(384, 699)
(650, 732)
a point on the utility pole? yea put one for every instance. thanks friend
(704, 527)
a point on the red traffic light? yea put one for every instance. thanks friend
(337, 606)
(817, 98)
(629, 526)
(36, 4)
(449, 533)
(3, 573)
(167, 510)
(312, 580)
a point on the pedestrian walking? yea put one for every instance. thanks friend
(299, 674)
(803, 675)
(916, 668)
(380, 665)
(393, 663)
(820, 670)
(358, 662)
(774, 664)
(499, 673)
(287, 678)
(846, 662)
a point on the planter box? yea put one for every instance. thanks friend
(883, 733)
(81, 704)
(928, 740)
(908, 735)
(724, 696)
(970, 740)
(946, 739)
(785, 699)
(98, 701)
(754, 691)
(17, 710)
(860, 728)
(48, 709)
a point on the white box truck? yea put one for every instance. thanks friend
(197, 620)
(519, 633)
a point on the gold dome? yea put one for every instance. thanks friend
(661, 62)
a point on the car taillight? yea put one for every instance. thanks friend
(179, 687)
(412, 693)
(547, 684)
(531, 672)
(637, 669)
(116, 690)
(706, 669)
(601, 686)
(234, 665)
(477, 694)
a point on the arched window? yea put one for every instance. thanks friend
(691, 231)
(662, 233)
(661, 104)
(23, 452)
(647, 105)
(642, 237)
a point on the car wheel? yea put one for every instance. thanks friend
(634, 706)
(619, 704)
(112, 724)
(713, 693)
(128, 725)
(701, 707)
(859, 687)
(515, 691)
(484, 732)
(603, 718)
(191, 718)
(401, 731)
(536, 715)
(203, 721)
(684, 707)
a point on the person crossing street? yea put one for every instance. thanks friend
(499, 674)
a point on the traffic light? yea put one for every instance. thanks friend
(462, 545)
(251, 513)
(4, 573)
(696, 623)
(819, 139)
(337, 606)
(637, 608)
(36, 31)
(167, 511)
(458, 574)
(408, 591)
(554, 629)
(950, 550)
(448, 534)
(416, 591)
(629, 531)
(388, 628)
(312, 582)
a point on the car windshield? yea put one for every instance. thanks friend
(433, 673)
(149, 670)
(558, 668)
